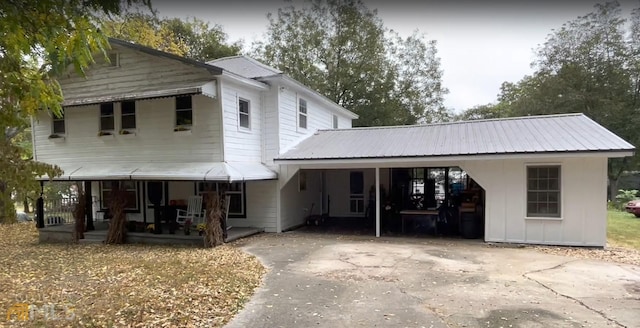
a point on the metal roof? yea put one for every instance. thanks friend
(522, 135)
(245, 67)
(209, 67)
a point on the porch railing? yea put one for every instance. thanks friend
(59, 211)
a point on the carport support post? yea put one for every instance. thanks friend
(377, 207)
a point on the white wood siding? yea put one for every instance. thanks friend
(136, 68)
(318, 118)
(241, 145)
(261, 206)
(271, 128)
(296, 204)
(583, 202)
(154, 140)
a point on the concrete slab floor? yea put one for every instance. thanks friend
(318, 280)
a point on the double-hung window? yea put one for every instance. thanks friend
(302, 113)
(235, 191)
(128, 115)
(107, 120)
(543, 191)
(184, 112)
(129, 188)
(244, 114)
(58, 125)
(335, 121)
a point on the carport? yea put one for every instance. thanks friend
(544, 177)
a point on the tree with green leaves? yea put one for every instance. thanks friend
(40, 39)
(590, 65)
(342, 50)
(191, 38)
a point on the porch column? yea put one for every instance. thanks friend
(88, 206)
(40, 208)
(377, 206)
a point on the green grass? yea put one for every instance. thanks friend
(623, 229)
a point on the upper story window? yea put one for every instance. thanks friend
(302, 113)
(106, 117)
(128, 114)
(543, 191)
(244, 114)
(58, 125)
(335, 121)
(184, 111)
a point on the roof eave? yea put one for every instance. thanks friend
(614, 153)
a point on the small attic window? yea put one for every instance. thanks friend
(114, 59)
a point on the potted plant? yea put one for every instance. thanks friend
(151, 227)
(187, 227)
(201, 228)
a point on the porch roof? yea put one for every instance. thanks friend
(521, 136)
(140, 91)
(213, 171)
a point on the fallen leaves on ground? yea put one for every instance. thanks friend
(610, 254)
(99, 285)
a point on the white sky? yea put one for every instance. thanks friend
(481, 43)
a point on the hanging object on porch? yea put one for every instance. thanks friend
(117, 227)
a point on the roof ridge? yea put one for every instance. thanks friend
(249, 59)
(530, 117)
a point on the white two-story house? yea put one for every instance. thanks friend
(151, 121)
(148, 116)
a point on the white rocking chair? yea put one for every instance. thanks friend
(194, 212)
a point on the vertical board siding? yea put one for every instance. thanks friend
(241, 145)
(154, 139)
(583, 202)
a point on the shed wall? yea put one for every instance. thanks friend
(583, 220)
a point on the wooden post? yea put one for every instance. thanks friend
(377, 205)
(88, 206)
(40, 208)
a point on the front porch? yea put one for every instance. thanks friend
(64, 234)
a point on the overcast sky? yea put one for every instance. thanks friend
(481, 43)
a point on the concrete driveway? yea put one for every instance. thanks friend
(318, 280)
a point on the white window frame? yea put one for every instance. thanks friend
(335, 121)
(215, 186)
(55, 119)
(301, 113)
(112, 116)
(543, 216)
(105, 186)
(135, 113)
(247, 114)
(177, 126)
